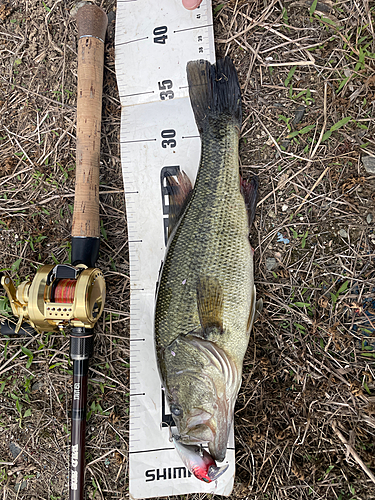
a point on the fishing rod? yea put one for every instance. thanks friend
(73, 295)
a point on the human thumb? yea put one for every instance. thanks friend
(191, 4)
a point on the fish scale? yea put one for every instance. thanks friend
(211, 239)
(206, 296)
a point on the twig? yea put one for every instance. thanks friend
(312, 189)
(290, 63)
(103, 456)
(282, 184)
(108, 378)
(353, 453)
(315, 150)
(324, 122)
(279, 87)
(275, 142)
(270, 49)
(281, 35)
(18, 144)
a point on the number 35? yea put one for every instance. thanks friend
(165, 87)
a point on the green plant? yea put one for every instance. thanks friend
(218, 8)
(103, 231)
(16, 265)
(5, 309)
(335, 296)
(35, 240)
(285, 16)
(305, 95)
(290, 76)
(95, 487)
(303, 130)
(336, 126)
(19, 410)
(3, 476)
(29, 354)
(303, 236)
(286, 120)
(313, 7)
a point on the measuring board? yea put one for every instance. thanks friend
(159, 137)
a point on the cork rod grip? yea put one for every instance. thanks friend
(92, 25)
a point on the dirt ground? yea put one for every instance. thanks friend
(305, 415)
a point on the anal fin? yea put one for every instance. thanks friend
(255, 310)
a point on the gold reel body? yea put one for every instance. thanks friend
(53, 299)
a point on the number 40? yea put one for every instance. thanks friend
(160, 34)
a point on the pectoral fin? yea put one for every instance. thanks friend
(180, 191)
(210, 302)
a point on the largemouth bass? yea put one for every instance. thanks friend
(206, 298)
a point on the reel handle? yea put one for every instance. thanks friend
(9, 327)
(92, 24)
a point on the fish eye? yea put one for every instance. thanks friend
(176, 410)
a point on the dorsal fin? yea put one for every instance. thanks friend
(249, 190)
(180, 191)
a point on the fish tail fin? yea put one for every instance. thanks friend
(214, 91)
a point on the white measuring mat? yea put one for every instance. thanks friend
(159, 137)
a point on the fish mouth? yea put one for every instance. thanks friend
(203, 427)
(215, 472)
(218, 446)
(211, 422)
(214, 428)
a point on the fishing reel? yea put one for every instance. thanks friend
(57, 296)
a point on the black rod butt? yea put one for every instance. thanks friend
(85, 251)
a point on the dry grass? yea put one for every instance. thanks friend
(305, 417)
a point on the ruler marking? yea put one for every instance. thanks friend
(150, 451)
(160, 449)
(138, 140)
(140, 93)
(131, 41)
(194, 28)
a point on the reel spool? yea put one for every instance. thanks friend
(58, 296)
